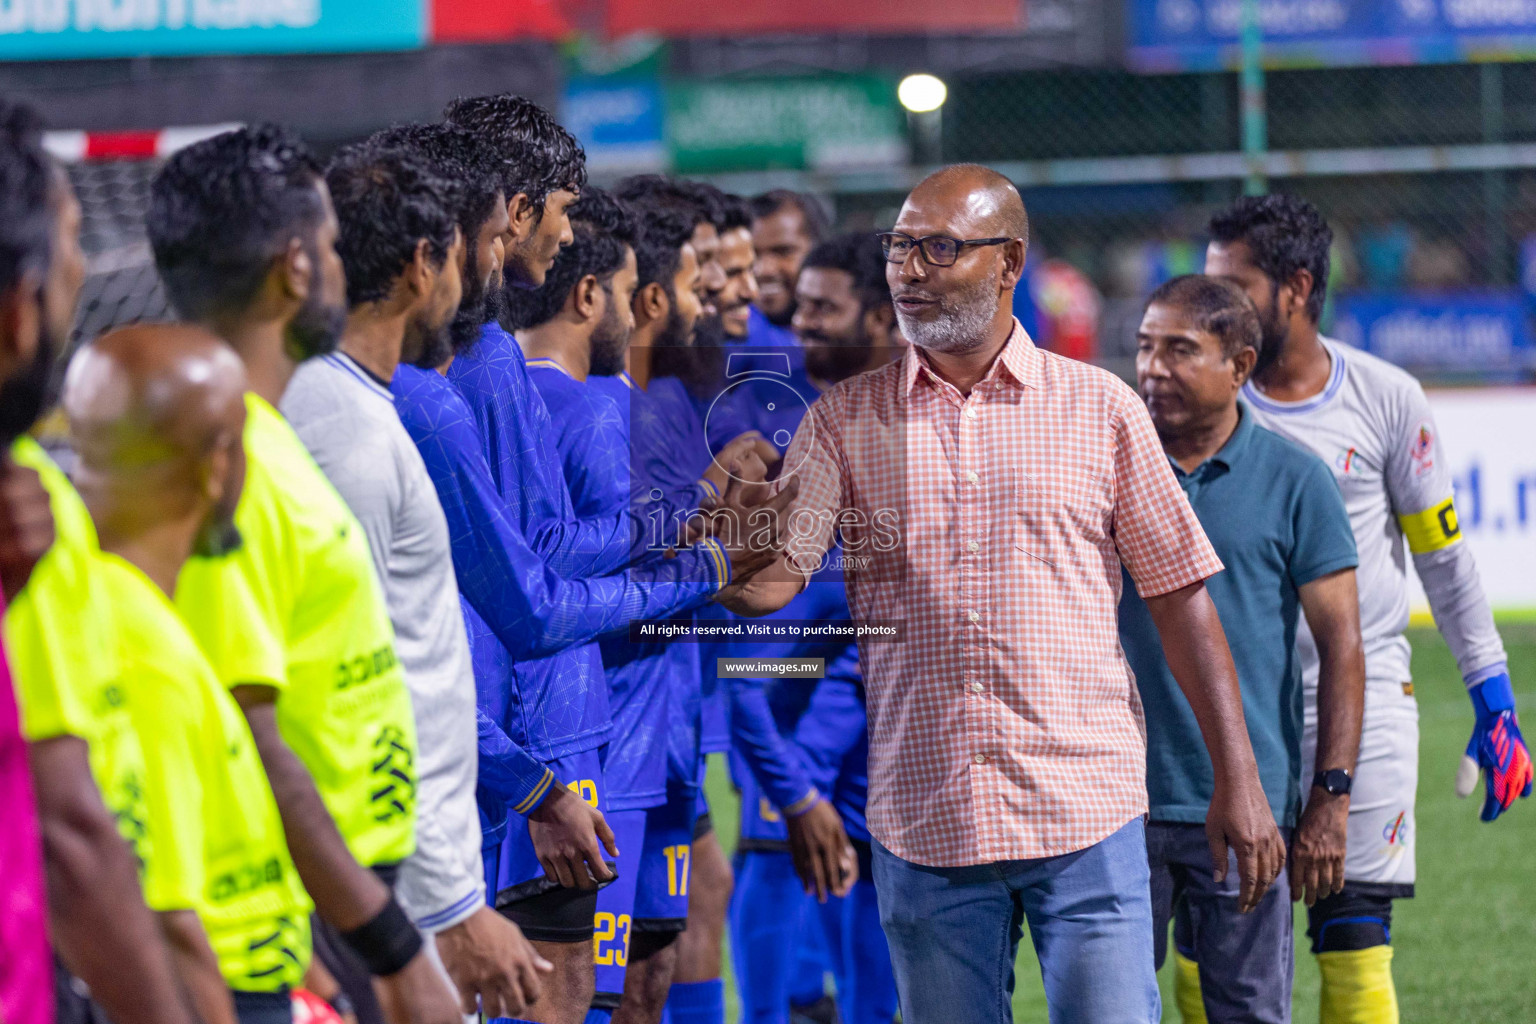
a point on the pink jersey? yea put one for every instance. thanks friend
(26, 972)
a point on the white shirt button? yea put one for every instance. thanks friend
(973, 616)
(971, 477)
(973, 546)
(978, 687)
(980, 759)
(970, 412)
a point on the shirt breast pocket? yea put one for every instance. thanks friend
(1037, 523)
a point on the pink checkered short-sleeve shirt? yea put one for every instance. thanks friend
(1004, 721)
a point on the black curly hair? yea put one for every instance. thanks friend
(386, 203)
(458, 155)
(604, 229)
(859, 255)
(659, 245)
(699, 203)
(222, 210)
(535, 155)
(28, 206)
(1285, 234)
(735, 212)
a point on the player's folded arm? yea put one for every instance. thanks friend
(775, 764)
(833, 724)
(533, 610)
(590, 546)
(507, 770)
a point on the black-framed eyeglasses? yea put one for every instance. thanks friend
(937, 250)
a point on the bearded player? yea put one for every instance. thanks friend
(1371, 422)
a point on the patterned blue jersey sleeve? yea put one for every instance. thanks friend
(833, 723)
(517, 434)
(531, 608)
(516, 777)
(620, 470)
(593, 546)
(833, 738)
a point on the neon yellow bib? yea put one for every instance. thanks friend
(299, 608)
(59, 637)
(218, 840)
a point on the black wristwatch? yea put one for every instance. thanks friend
(1335, 781)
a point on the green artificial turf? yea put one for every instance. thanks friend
(1464, 945)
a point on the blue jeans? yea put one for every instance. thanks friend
(954, 934)
(1247, 961)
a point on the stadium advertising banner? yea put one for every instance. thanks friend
(1196, 35)
(1486, 434)
(70, 29)
(802, 123)
(620, 122)
(1487, 331)
(484, 21)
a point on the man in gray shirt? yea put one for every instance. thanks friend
(404, 251)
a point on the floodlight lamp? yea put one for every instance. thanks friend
(923, 93)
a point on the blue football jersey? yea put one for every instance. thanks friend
(519, 441)
(762, 334)
(591, 437)
(765, 389)
(832, 737)
(792, 735)
(531, 630)
(670, 453)
(591, 422)
(765, 714)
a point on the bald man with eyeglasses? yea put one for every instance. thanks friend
(998, 490)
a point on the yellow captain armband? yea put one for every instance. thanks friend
(1432, 529)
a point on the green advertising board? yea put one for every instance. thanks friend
(817, 123)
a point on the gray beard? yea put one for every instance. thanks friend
(960, 328)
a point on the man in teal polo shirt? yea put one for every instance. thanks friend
(1277, 520)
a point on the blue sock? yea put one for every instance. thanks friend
(698, 1002)
(598, 1015)
(808, 982)
(763, 934)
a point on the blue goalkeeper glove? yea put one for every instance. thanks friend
(1496, 749)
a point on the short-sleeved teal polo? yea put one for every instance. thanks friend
(1275, 516)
